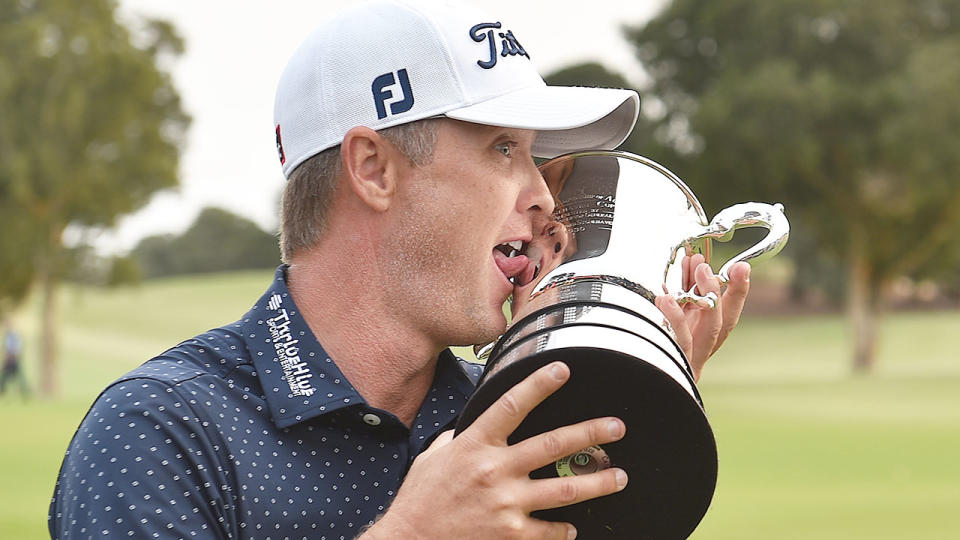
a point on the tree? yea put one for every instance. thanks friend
(123, 271)
(217, 241)
(92, 127)
(15, 273)
(156, 255)
(843, 109)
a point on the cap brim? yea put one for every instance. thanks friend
(566, 118)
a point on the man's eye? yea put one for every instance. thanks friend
(503, 148)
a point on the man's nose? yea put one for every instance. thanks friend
(536, 196)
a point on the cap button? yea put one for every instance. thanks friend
(371, 419)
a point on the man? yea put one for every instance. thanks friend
(12, 356)
(407, 136)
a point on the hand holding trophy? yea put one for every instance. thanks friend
(616, 240)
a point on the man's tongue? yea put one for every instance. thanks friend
(510, 266)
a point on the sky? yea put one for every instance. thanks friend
(235, 52)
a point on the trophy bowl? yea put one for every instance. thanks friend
(616, 239)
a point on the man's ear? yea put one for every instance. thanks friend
(369, 167)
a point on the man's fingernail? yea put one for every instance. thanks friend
(571, 532)
(621, 478)
(557, 371)
(614, 428)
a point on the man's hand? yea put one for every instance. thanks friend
(701, 330)
(476, 486)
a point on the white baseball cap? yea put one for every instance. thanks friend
(384, 63)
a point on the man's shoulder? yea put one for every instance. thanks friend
(159, 422)
(216, 353)
(215, 363)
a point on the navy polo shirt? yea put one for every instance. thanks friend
(247, 431)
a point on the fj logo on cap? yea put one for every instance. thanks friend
(381, 93)
(509, 46)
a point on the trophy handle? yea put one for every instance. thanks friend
(739, 216)
(482, 352)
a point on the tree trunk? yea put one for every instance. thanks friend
(48, 325)
(863, 303)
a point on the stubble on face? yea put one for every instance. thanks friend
(438, 244)
(434, 285)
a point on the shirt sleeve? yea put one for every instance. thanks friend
(142, 465)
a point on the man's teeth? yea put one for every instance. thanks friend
(511, 249)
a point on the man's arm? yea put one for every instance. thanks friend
(478, 486)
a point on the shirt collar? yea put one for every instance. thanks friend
(299, 379)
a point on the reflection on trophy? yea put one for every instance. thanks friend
(615, 241)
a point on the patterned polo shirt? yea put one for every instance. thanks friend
(247, 431)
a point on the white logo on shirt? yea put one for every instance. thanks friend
(296, 372)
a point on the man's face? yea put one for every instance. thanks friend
(455, 218)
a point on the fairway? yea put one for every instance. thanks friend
(807, 451)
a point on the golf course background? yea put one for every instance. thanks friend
(807, 450)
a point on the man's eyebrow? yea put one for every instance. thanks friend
(513, 134)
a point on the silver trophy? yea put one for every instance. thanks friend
(615, 241)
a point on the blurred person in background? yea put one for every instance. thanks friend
(12, 359)
(407, 134)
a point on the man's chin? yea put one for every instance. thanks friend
(490, 329)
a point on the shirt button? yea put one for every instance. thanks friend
(371, 419)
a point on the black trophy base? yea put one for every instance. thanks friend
(668, 451)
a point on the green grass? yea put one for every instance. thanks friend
(807, 451)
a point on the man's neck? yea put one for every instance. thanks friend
(384, 359)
